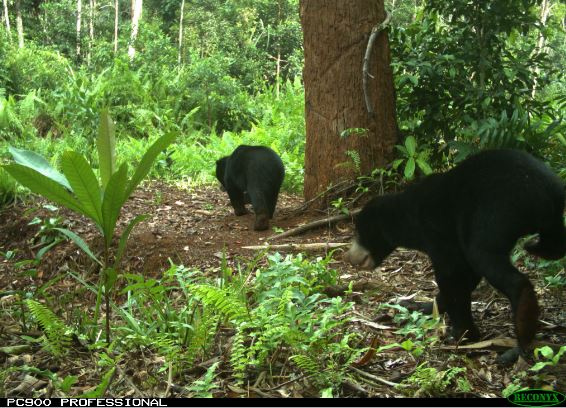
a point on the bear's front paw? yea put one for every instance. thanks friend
(240, 211)
(261, 222)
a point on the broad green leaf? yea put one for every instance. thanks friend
(114, 198)
(539, 366)
(125, 235)
(106, 145)
(423, 165)
(410, 168)
(148, 159)
(39, 164)
(396, 163)
(411, 144)
(84, 184)
(402, 150)
(546, 352)
(80, 243)
(43, 185)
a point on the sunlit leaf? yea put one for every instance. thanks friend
(38, 163)
(84, 184)
(45, 186)
(410, 168)
(114, 197)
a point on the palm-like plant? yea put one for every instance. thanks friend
(100, 199)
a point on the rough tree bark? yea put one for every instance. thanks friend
(137, 6)
(336, 34)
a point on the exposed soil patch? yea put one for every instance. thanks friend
(197, 228)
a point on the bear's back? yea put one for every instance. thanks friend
(504, 175)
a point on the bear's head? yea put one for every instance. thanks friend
(371, 244)
(221, 171)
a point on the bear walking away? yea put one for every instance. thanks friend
(252, 174)
(467, 221)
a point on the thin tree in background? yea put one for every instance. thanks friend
(544, 13)
(181, 32)
(6, 19)
(19, 24)
(79, 16)
(92, 6)
(345, 139)
(116, 11)
(136, 17)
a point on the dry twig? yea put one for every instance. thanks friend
(315, 224)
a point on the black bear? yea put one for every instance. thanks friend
(467, 221)
(252, 174)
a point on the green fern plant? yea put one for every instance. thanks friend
(202, 387)
(238, 355)
(57, 335)
(307, 364)
(223, 300)
(356, 160)
(204, 326)
(430, 382)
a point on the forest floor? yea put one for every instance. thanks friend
(197, 228)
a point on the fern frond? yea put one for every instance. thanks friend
(223, 301)
(355, 157)
(286, 298)
(307, 364)
(204, 326)
(238, 357)
(57, 337)
(267, 342)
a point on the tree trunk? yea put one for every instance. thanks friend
(136, 17)
(7, 20)
(544, 13)
(180, 57)
(92, 6)
(19, 24)
(336, 34)
(79, 16)
(116, 11)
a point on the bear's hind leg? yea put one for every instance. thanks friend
(503, 276)
(261, 210)
(237, 200)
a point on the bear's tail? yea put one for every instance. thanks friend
(551, 243)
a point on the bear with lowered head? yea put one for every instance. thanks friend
(252, 174)
(467, 221)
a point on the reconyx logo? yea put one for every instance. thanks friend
(537, 398)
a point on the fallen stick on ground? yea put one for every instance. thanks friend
(300, 247)
(314, 224)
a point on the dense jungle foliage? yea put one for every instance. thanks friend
(469, 75)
